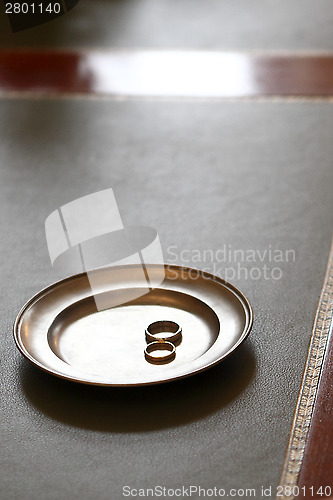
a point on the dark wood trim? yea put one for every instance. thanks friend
(317, 466)
(221, 74)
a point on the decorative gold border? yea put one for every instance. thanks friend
(307, 395)
(90, 96)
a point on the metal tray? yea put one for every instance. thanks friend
(61, 331)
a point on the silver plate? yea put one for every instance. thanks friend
(61, 331)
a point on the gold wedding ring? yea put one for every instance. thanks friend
(163, 331)
(160, 352)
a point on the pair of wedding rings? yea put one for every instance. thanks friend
(162, 338)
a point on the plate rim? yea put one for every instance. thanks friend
(244, 300)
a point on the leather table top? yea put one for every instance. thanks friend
(301, 25)
(252, 175)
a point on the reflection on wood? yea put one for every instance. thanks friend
(166, 73)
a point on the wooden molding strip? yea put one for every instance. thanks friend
(311, 420)
(317, 467)
(176, 74)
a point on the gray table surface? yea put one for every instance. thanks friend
(250, 175)
(301, 25)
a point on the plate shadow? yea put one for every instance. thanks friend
(140, 409)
